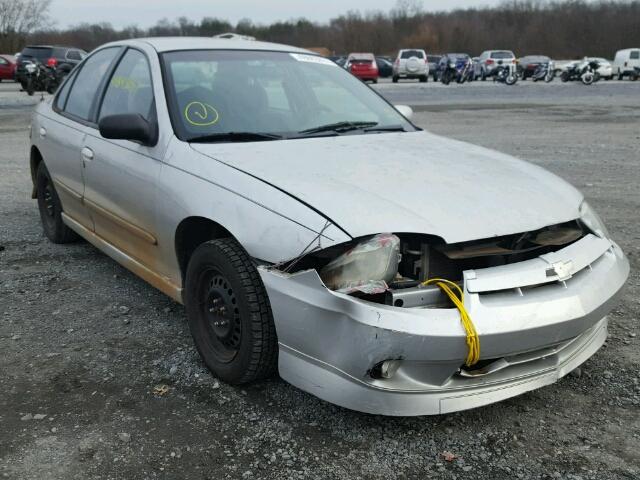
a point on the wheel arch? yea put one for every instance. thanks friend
(35, 158)
(193, 232)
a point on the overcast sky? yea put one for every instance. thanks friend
(144, 13)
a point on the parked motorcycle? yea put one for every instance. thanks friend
(465, 70)
(585, 71)
(505, 73)
(40, 78)
(449, 72)
(459, 69)
(544, 71)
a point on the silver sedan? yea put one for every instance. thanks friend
(311, 229)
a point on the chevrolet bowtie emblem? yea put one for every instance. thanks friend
(560, 269)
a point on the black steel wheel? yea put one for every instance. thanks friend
(229, 313)
(51, 209)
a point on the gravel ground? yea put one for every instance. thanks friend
(99, 378)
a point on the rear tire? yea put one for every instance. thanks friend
(51, 209)
(394, 79)
(229, 313)
(424, 78)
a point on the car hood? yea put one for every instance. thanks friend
(408, 182)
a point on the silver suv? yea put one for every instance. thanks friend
(411, 64)
(490, 59)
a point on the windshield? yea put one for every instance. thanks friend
(214, 93)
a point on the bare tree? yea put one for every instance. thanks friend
(558, 28)
(18, 18)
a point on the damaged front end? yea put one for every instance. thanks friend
(358, 325)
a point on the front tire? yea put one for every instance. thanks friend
(229, 313)
(51, 209)
(587, 78)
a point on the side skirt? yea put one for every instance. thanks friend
(158, 281)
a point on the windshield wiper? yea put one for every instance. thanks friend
(235, 137)
(389, 128)
(339, 127)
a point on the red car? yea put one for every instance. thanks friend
(363, 66)
(7, 67)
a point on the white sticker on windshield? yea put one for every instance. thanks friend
(302, 57)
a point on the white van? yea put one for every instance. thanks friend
(625, 61)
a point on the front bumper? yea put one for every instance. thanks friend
(534, 328)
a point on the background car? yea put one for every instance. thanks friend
(411, 64)
(626, 61)
(339, 60)
(363, 66)
(605, 69)
(7, 67)
(528, 64)
(385, 67)
(490, 59)
(433, 61)
(60, 58)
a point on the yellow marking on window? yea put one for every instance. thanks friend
(201, 114)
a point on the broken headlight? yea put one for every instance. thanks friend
(368, 267)
(592, 220)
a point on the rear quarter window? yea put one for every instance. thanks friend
(634, 55)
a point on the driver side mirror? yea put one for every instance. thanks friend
(129, 126)
(405, 110)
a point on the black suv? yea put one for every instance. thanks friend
(63, 59)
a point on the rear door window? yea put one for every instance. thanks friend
(61, 99)
(87, 82)
(129, 90)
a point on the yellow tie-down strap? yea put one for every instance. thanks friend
(473, 341)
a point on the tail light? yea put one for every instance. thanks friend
(52, 62)
(490, 61)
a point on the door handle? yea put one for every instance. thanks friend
(87, 153)
(43, 132)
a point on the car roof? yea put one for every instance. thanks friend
(170, 44)
(51, 46)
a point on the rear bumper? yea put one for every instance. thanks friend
(530, 335)
(366, 76)
(403, 73)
